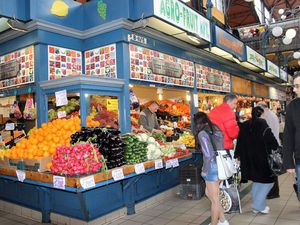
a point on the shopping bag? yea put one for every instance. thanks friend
(275, 160)
(226, 168)
(295, 186)
(230, 198)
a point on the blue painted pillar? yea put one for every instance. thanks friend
(41, 74)
(209, 6)
(193, 92)
(123, 68)
(83, 107)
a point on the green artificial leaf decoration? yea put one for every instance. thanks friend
(102, 8)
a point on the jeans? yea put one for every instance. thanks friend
(298, 179)
(259, 195)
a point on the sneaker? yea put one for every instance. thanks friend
(223, 223)
(265, 211)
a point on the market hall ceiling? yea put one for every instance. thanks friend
(240, 13)
(275, 5)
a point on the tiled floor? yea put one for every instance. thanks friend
(175, 211)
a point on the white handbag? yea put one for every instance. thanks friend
(226, 168)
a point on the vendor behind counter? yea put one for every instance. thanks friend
(148, 118)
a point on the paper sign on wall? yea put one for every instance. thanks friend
(21, 175)
(61, 98)
(61, 114)
(59, 182)
(112, 104)
(139, 168)
(118, 174)
(87, 182)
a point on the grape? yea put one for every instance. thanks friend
(102, 7)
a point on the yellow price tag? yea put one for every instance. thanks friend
(112, 104)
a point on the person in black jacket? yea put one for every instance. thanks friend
(291, 134)
(254, 143)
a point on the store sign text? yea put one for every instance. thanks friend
(255, 58)
(137, 38)
(229, 43)
(170, 69)
(273, 69)
(9, 69)
(175, 12)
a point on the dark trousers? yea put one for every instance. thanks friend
(275, 189)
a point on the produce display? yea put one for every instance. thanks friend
(78, 159)
(174, 108)
(187, 139)
(153, 147)
(107, 140)
(43, 141)
(73, 105)
(168, 151)
(135, 151)
(3, 150)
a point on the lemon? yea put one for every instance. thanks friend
(59, 8)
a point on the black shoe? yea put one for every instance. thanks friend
(273, 196)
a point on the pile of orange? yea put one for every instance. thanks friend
(43, 141)
(92, 123)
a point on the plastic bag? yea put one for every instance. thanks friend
(15, 111)
(230, 198)
(29, 111)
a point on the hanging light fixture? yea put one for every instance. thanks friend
(277, 31)
(296, 55)
(287, 41)
(283, 17)
(281, 11)
(291, 33)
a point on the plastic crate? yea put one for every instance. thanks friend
(192, 191)
(190, 174)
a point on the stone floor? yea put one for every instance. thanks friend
(175, 211)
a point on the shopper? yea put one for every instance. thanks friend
(224, 117)
(273, 123)
(148, 118)
(291, 137)
(205, 133)
(254, 142)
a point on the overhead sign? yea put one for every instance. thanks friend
(256, 58)
(283, 75)
(9, 69)
(272, 68)
(180, 15)
(162, 67)
(229, 43)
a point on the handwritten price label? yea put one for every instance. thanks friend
(139, 168)
(158, 164)
(9, 126)
(61, 98)
(118, 174)
(169, 164)
(21, 175)
(59, 182)
(61, 114)
(175, 163)
(87, 182)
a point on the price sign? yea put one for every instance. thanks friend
(158, 164)
(59, 182)
(184, 118)
(21, 175)
(87, 182)
(175, 163)
(9, 126)
(183, 147)
(112, 104)
(61, 98)
(169, 164)
(61, 114)
(139, 168)
(118, 174)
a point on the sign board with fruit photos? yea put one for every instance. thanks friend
(154, 66)
(13, 76)
(63, 62)
(101, 62)
(212, 79)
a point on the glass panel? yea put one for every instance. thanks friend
(103, 111)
